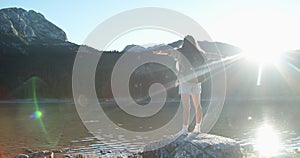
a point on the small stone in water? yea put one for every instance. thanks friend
(140, 153)
(79, 156)
(65, 149)
(42, 154)
(57, 151)
(102, 152)
(21, 156)
(67, 156)
(28, 150)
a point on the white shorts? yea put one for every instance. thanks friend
(189, 88)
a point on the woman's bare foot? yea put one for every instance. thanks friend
(195, 131)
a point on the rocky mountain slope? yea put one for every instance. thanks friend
(29, 26)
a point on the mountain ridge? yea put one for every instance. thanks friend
(24, 28)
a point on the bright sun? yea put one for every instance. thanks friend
(263, 56)
(262, 35)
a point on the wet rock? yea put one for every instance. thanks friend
(57, 150)
(201, 145)
(28, 150)
(67, 156)
(140, 153)
(80, 156)
(102, 152)
(21, 156)
(42, 154)
(65, 149)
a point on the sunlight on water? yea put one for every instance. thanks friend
(267, 141)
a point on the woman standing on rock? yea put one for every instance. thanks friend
(190, 60)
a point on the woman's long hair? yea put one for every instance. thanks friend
(194, 54)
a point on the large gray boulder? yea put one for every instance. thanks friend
(192, 145)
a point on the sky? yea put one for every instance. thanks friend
(250, 25)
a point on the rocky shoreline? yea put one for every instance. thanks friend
(203, 145)
(63, 153)
(191, 145)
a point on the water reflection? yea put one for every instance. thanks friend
(266, 128)
(267, 141)
(259, 125)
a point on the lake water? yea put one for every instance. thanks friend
(60, 126)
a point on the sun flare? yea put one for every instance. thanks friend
(263, 56)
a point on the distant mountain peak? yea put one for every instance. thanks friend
(29, 26)
(134, 48)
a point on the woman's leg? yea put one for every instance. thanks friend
(196, 100)
(185, 100)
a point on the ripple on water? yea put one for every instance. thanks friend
(74, 141)
(91, 121)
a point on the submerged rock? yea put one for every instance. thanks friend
(201, 145)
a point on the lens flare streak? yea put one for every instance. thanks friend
(260, 70)
(37, 114)
(293, 67)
